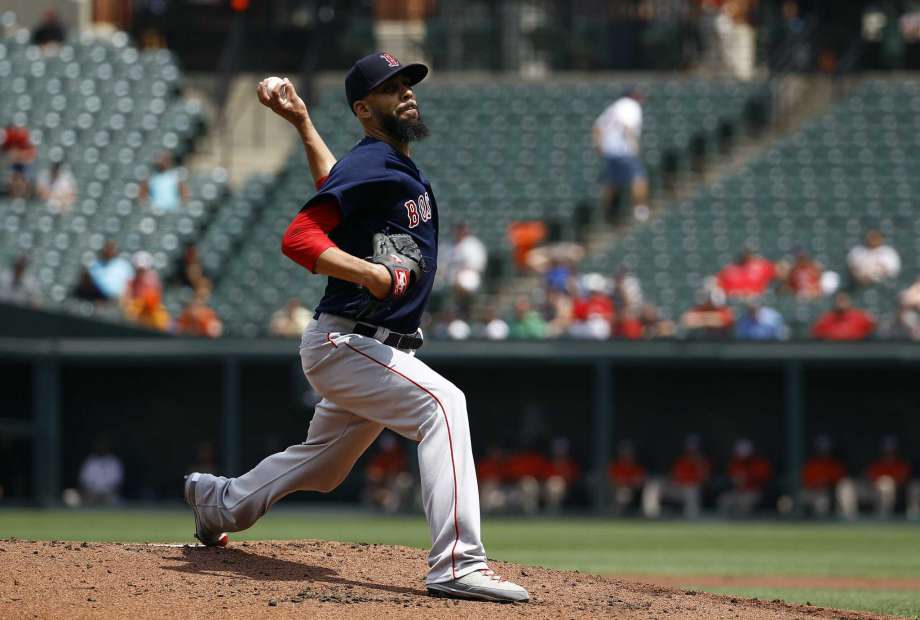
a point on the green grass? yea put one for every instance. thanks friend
(895, 602)
(593, 545)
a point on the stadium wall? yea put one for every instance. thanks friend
(157, 399)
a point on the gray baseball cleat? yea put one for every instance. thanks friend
(207, 537)
(481, 585)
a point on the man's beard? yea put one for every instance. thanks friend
(404, 131)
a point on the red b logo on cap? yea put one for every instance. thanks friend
(390, 58)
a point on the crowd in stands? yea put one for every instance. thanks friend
(111, 278)
(729, 306)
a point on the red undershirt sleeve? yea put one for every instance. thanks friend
(306, 237)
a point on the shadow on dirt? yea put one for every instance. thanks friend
(219, 562)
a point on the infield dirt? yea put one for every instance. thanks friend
(318, 579)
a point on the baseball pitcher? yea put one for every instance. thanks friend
(372, 228)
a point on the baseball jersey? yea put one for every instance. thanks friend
(378, 189)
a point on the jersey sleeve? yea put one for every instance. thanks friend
(307, 235)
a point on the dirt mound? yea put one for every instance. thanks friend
(316, 579)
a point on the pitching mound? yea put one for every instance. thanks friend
(316, 579)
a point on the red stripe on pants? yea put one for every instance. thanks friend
(450, 443)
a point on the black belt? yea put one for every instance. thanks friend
(397, 341)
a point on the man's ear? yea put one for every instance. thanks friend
(362, 110)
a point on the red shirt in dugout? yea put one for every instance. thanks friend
(821, 472)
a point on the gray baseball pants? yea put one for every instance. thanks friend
(367, 386)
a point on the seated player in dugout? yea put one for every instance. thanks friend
(689, 475)
(821, 474)
(748, 475)
(886, 478)
(388, 483)
(627, 477)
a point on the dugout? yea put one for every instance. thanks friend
(157, 398)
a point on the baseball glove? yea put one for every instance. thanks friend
(403, 259)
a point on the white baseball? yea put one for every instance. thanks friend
(271, 83)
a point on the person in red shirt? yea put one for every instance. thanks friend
(626, 476)
(198, 318)
(562, 471)
(689, 473)
(492, 474)
(803, 277)
(711, 318)
(748, 276)
(749, 474)
(628, 325)
(821, 474)
(142, 301)
(526, 471)
(20, 152)
(388, 483)
(844, 322)
(593, 312)
(884, 477)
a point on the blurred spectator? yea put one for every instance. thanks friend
(749, 275)
(760, 322)
(166, 188)
(559, 274)
(101, 475)
(491, 471)
(737, 37)
(910, 297)
(449, 326)
(18, 285)
(143, 298)
(628, 325)
(709, 319)
(873, 261)
(527, 324)
(526, 471)
(490, 325)
(50, 32)
(191, 271)
(291, 320)
(524, 237)
(20, 154)
(821, 474)
(107, 277)
(689, 473)
(627, 290)
(542, 258)
(653, 326)
(844, 322)
(559, 308)
(904, 325)
(388, 483)
(199, 319)
(616, 135)
(205, 459)
(884, 477)
(626, 477)
(466, 262)
(562, 472)
(57, 187)
(749, 474)
(803, 277)
(593, 312)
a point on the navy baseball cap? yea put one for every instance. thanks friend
(375, 69)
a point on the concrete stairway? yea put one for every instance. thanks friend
(247, 139)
